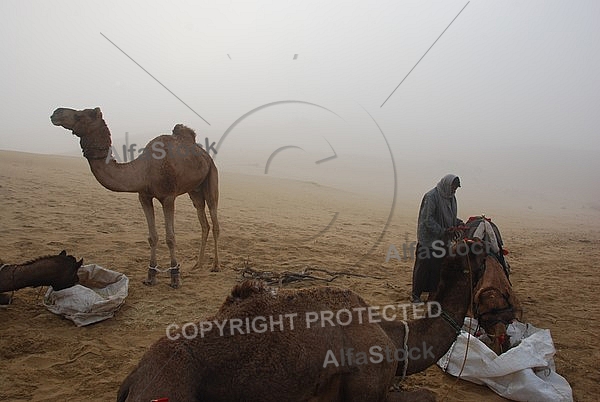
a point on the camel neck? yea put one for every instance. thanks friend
(120, 177)
(432, 336)
(95, 142)
(13, 277)
(96, 146)
(439, 331)
(6, 277)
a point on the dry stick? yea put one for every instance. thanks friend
(289, 277)
(286, 277)
(338, 273)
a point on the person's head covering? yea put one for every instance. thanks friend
(444, 186)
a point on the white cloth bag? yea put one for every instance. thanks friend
(526, 372)
(97, 297)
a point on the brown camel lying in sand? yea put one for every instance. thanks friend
(294, 361)
(58, 271)
(495, 304)
(170, 165)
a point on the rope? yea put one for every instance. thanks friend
(448, 318)
(405, 349)
(156, 269)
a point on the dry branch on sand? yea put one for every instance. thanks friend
(287, 277)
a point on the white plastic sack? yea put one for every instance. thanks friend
(98, 295)
(525, 372)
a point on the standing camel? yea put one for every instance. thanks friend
(283, 358)
(170, 165)
(58, 271)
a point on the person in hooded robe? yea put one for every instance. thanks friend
(437, 214)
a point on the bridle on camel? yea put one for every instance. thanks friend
(497, 312)
(501, 337)
(458, 328)
(480, 316)
(455, 326)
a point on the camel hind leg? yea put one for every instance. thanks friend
(215, 222)
(210, 193)
(197, 198)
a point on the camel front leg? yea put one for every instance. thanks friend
(148, 208)
(169, 211)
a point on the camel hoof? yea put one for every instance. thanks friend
(150, 281)
(215, 268)
(175, 278)
(151, 278)
(5, 299)
(197, 265)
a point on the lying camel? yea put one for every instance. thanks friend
(58, 271)
(294, 361)
(495, 304)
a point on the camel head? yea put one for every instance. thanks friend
(65, 272)
(75, 120)
(89, 126)
(494, 315)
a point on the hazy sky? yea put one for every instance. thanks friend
(513, 85)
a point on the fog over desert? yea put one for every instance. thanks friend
(327, 121)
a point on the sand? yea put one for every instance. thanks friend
(51, 203)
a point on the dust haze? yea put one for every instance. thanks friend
(388, 97)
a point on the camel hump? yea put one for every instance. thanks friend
(248, 288)
(184, 133)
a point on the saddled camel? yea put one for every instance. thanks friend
(495, 304)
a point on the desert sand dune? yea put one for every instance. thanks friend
(50, 203)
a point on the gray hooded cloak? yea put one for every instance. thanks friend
(437, 212)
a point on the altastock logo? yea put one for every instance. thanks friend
(157, 150)
(439, 250)
(376, 354)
